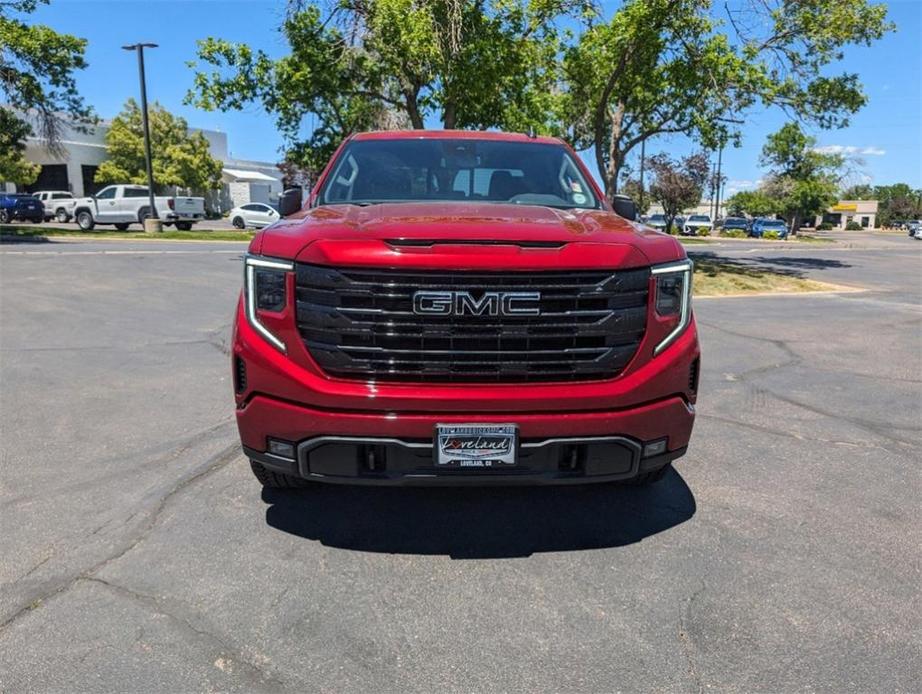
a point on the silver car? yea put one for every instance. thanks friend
(254, 215)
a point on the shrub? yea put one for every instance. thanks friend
(853, 226)
(825, 226)
(703, 231)
(734, 233)
(771, 235)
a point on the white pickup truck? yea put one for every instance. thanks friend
(122, 205)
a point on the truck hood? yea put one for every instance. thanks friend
(312, 235)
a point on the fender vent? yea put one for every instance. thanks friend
(240, 375)
(693, 375)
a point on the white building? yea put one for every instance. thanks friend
(73, 166)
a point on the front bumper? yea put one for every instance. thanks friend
(389, 449)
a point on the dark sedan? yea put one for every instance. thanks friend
(21, 206)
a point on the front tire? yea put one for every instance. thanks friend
(276, 480)
(239, 223)
(4, 217)
(122, 226)
(85, 220)
(61, 216)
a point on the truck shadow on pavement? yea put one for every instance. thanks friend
(480, 523)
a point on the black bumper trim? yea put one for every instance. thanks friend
(458, 478)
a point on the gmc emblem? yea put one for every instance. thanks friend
(426, 303)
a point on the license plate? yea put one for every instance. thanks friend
(476, 445)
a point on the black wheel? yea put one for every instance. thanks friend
(39, 220)
(239, 223)
(122, 226)
(647, 478)
(276, 480)
(184, 226)
(61, 216)
(144, 213)
(4, 216)
(85, 220)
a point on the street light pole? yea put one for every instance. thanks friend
(139, 49)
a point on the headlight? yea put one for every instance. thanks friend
(673, 298)
(265, 283)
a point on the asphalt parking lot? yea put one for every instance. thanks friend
(139, 554)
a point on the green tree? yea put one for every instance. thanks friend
(862, 191)
(693, 67)
(803, 182)
(37, 66)
(393, 63)
(897, 202)
(678, 184)
(13, 165)
(180, 158)
(754, 203)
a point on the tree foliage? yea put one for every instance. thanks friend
(685, 66)
(180, 158)
(14, 167)
(678, 184)
(366, 64)
(755, 203)
(37, 66)
(803, 181)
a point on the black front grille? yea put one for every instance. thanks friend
(360, 324)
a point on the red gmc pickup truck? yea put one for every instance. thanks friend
(462, 308)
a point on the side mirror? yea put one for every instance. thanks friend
(290, 202)
(624, 207)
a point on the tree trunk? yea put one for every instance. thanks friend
(615, 155)
(449, 117)
(416, 118)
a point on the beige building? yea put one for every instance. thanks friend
(863, 212)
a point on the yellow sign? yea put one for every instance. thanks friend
(845, 207)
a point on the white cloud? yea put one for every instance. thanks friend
(736, 185)
(851, 150)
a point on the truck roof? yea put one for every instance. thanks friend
(454, 135)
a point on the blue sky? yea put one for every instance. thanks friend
(886, 134)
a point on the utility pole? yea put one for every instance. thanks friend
(152, 223)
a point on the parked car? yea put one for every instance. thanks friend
(679, 224)
(123, 205)
(918, 232)
(734, 223)
(21, 206)
(657, 221)
(59, 204)
(760, 226)
(696, 222)
(255, 215)
(394, 334)
(913, 226)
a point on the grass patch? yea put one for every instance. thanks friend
(692, 240)
(39, 232)
(812, 239)
(717, 277)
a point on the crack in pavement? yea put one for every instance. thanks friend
(256, 674)
(213, 464)
(686, 641)
(791, 435)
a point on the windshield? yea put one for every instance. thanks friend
(735, 220)
(657, 218)
(699, 218)
(483, 171)
(774, 223)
